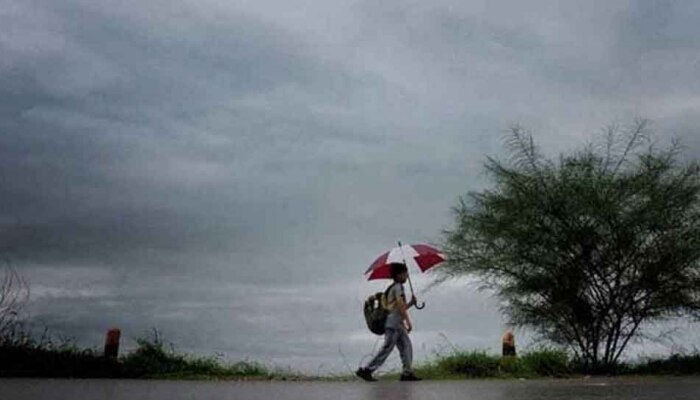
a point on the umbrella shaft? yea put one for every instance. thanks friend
(404, 263)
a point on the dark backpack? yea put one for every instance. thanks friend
(375, 313)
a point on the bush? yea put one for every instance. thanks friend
(475, 364)
(151, 359)
(21, 355)
(543, 362)
(546, 362)
(32, 360)
(676, 364)
(512, 366)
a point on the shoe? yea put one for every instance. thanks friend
(365, 374)
(409, 377)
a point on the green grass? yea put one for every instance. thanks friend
(22, 356)
(26, 361)
(676, 364)
(544, 362)
(152, 360)
(479, 364)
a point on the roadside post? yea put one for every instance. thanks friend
(112, 343)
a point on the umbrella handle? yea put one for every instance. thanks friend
(418, 306)
(410, 284)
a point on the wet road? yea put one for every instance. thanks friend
(618, 389)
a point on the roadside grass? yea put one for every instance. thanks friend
(30, 360)
(152, 359)
(676, 364)
(544, 362)
(23, 356)
(478, 364)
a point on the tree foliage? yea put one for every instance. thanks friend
(587, 248)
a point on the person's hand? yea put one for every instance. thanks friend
(408, 326)
(413, 301)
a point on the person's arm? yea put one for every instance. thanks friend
(403, 310)
(412, 302)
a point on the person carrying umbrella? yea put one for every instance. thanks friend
(392, 264)
(398, 326)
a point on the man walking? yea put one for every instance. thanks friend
(398, 326)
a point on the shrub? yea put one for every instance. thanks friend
(152, 359)
(676, 364)
(512, 366)
(476, 364)
(546, 362)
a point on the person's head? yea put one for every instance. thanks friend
(399, 272)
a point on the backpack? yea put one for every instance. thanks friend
(376, 312)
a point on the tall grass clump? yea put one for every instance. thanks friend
(542, 362)
(546, 361)
(676, 364)
(23, 355)
(512, 366)
(152, 359)
(474, 364)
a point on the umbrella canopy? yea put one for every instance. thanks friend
(421, 256)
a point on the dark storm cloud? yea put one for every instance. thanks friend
(235, 165)
(139, 158)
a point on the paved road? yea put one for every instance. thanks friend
(599, 389)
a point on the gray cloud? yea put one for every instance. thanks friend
(233, 166)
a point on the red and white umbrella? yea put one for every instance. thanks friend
(421, 256)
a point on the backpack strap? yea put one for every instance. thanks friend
(386, 294)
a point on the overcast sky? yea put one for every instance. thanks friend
(225, 170)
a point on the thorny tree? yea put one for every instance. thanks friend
(588, 248)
